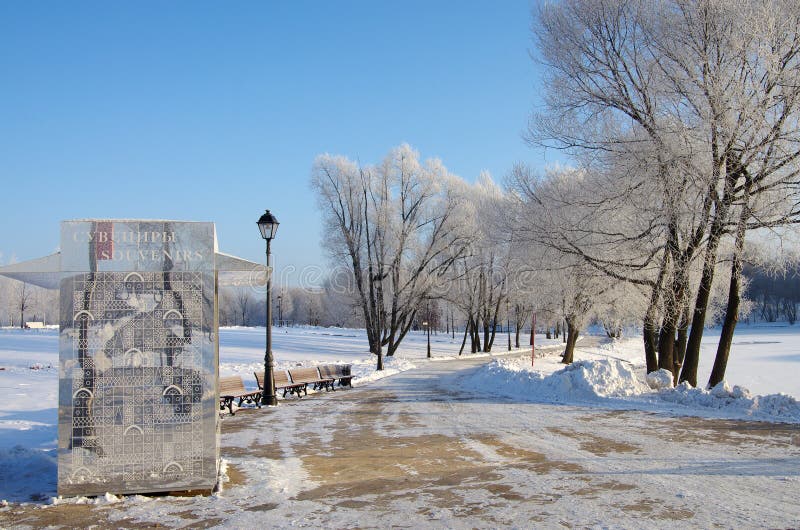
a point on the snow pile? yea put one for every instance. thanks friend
(616, 384)
(737, 400)
(661, 378)
(27, 474)
(582, 380)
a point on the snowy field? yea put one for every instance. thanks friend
(242, 350)
(765, 360)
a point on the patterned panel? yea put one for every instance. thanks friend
(137, 390)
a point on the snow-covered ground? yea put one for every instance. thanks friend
(242, 350)
(762, 379)
(764, 359)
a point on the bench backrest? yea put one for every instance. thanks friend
(327, 371)
(304, 375)
(334, 371)
(231, 386)
(280, 377)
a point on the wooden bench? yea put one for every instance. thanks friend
(337, 372)
(311, 376)
(232, 388)
(282, 382)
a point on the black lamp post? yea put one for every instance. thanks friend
(268, 225)
(280, 311)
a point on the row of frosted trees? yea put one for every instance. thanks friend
(679, 124)
(406, 235)
(681, 119)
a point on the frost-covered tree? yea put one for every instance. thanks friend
(478, 282)
(607, 104)
(490, 259)
(23, 299)
(676, 103)
(243, 303)
(397, 226)
(569, 287)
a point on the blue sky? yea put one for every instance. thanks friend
(214, 111)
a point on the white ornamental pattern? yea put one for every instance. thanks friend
(137, 383)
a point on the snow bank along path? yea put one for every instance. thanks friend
(616, 384)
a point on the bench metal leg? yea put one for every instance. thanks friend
(228, 402)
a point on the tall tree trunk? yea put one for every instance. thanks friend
(728, 326)
(649, 327)
(396, 336)
(492, 336)
(572, 338)
(672, 315)
(722, 206)
(474, 334)
(692, 356)
(666, 345)
(680, 342)
(486, 333)
(734, 295)
(494, 324)
(464, 340)
(649, 336)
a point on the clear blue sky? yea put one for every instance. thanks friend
(214, 111)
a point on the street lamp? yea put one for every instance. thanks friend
(268, 225)
(280, 311)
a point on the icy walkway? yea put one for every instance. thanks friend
(420, 450)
